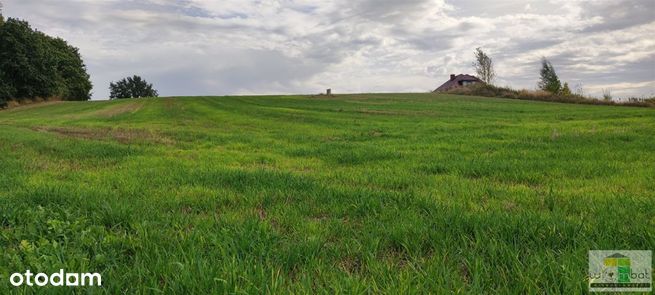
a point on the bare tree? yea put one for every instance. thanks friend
(579, 90)
(484, 66)
(607, 94)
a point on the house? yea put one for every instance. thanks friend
(457, 81)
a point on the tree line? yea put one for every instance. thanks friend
(551, 87)
(33, 64)
(549, 81)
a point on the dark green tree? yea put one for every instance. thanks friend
(549, 80)
(131, 87)
(24, 68)
(4, 87)
(33, 64)
(72, 81)
(566, 90)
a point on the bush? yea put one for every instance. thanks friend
(131, 87)
(488, 90)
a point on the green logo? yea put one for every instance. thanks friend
(620, 271)
(618, 266)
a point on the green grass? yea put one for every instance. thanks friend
(385, 193)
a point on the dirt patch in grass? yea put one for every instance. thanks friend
(124, 136)
(30, 104)
(261, 213)
(395, 112)
(380, 112)
(351, 265)
(465, 272)
(131, 107)
(169, 104)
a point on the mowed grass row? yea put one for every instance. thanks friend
(385, 193)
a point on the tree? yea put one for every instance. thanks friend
(549, 80)
(566, 91)
(131, 87)
(72, 80)
(579, 89)
(33, 64)
(24, 69)
(484, 66)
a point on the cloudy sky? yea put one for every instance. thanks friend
(202, 47)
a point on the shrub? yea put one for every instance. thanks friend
(488, 90)
(131, 87)
(607, 94)
(566, 91)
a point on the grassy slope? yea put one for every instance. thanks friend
(363, 193)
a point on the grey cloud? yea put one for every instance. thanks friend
(215, 73)
(250, 71)
(519, 46)
(620, 14)
(194, 47)
(466, 8)
(388, 9)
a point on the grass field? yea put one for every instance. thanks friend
(385, 193)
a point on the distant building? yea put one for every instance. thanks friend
(457, 81)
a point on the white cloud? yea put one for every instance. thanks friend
(197, 47)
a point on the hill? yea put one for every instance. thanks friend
(389, 193)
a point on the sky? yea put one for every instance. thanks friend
(200, 47)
